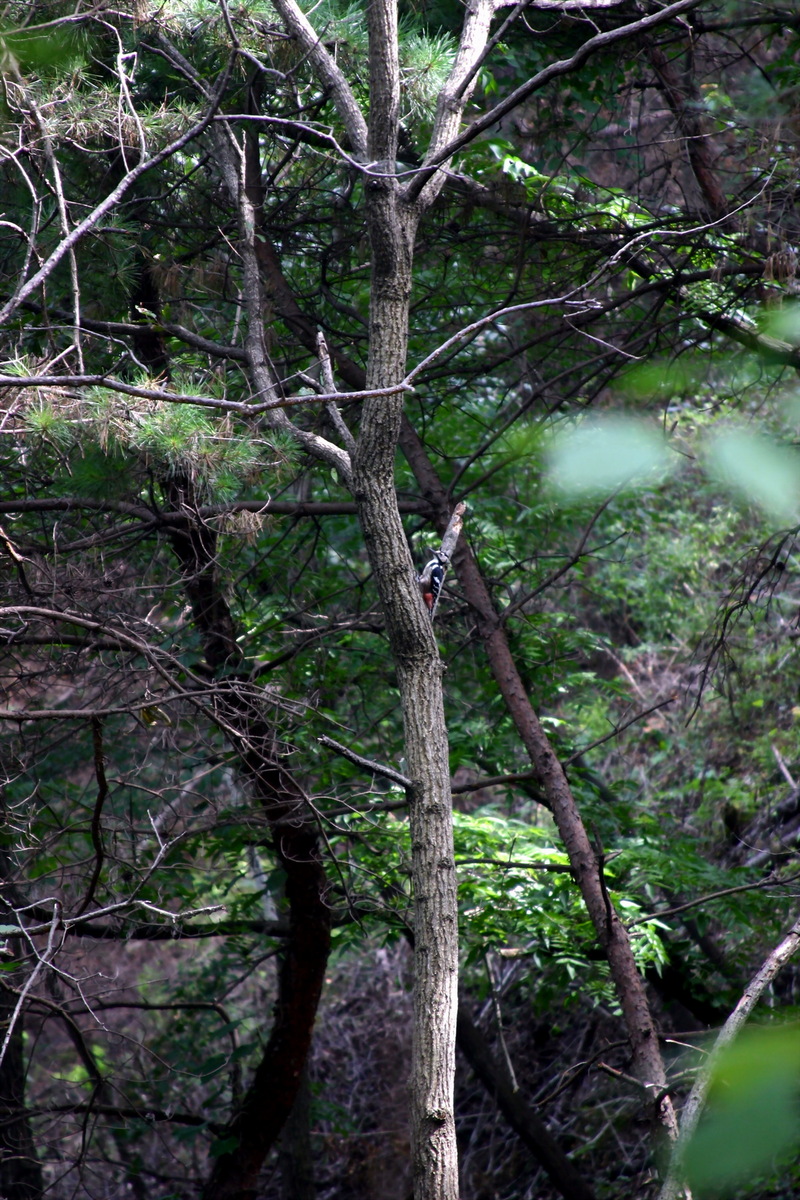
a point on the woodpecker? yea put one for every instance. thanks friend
(431, 578)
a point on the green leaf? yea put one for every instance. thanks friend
(31, 49)
(224, 1146)
(783, 323)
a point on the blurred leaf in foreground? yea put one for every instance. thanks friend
(753, 1116)
(759, 470)
(604, 455)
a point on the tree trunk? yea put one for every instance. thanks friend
(530, 1129)
(295, 1156)
(647, 1062)
(271, 1095)
(274, 1088)
(419, 676)
(20, 1173)
(392, 227)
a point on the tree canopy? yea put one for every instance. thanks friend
(295, 300)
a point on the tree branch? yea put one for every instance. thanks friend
(97, 812)
(453, 99)
(610, 931)
(67, 244)
(600, 41)
(367, 763)
(693, 1108)
(289, 508)
(329, 73)
(758, 886)
(529, 1127)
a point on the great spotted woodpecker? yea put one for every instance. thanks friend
(431, 578)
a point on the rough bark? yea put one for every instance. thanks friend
(392, 223)
(611, 933)
(295, 1157)
(419, 676)
(647, 1060)
(419, 669)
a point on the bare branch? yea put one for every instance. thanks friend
(42, 960)
(537, 865)
(150, 1116)
(212, 402)
(58, 188)
(445, 553)
(496, 781)
(474, 327)
(326, 370)
(693, 1108)
(67, 244)
(557, 574)
(759, 885)
(304, 132)
(618, 729)
(205, 512)
(97, 812)
(367, 763)
(453, 98)
(600, 41)
(241, 173)
(329, 73)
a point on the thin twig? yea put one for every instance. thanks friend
(67, 244)
(617, 730)
(498, 1014)
(63, 218)
(732, 891)
(554, 576)
(553, 70)
(42, 961)
(784, 770)
(329, 385)
(247, 408)
(563, 868)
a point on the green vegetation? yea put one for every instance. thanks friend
(190, 608)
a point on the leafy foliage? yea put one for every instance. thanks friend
(623, 433)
